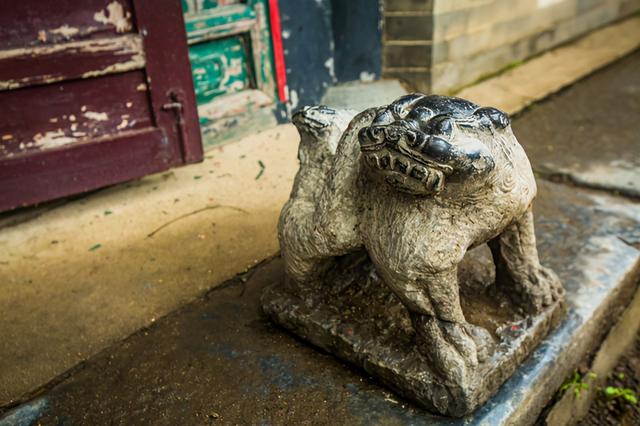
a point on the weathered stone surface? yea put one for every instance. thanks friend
(413, 186)
(358, 319)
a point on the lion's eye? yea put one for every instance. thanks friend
(440, 126)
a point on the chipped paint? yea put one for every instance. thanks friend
(329, 64)
(123, 124)
(51, 139)
(114, 15)
(96, 116)
(127, 51)
(129, 104)
(233, 104)
(7, 137)
(367, 77)
(65, 30)
(293, 96)
(142, 87)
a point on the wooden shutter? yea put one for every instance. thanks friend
(92, 92)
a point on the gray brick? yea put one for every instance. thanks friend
(439, 52)
(408, 27)
(406, 56)
(450, 24)
(408, 5)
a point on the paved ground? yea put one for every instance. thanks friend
(590, 134)
(88, 273)
(83, 275)
(220, 360)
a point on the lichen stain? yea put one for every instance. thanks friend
(114, 15)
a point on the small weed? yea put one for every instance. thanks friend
(577, 383)
(613, 392)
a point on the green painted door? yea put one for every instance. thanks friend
(230, 54)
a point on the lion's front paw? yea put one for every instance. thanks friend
(453, 349)
(539, 290)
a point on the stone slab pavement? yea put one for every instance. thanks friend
(590, 133)
(219, 359)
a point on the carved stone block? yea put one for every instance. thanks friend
(384, 207)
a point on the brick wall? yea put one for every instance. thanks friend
(407, 41)
(440, 45)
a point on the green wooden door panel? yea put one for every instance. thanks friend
(219, 22)
(230, 52)
(190, 6)
(219, 67)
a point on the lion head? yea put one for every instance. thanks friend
(418, 143)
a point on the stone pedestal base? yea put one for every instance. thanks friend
(356, 318)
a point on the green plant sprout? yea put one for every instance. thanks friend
(577, 383)
(613, 392)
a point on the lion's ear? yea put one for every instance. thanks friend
(492, 117)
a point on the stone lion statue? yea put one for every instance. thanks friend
(417, 183)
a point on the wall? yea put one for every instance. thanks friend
(407, 41)
(455, 42)
(327, 42)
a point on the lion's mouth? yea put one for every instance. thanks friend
(400, 155)
(404, 172)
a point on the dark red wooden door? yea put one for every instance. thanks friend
(92, 92)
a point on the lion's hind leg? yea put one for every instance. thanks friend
(531, 286)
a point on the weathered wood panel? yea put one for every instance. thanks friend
(172, 95)
(75, 111)
(88, 107)
(37, 22)
(82, 167)
(50, 63)
(220, 22)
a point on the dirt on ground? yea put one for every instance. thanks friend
(615, 409)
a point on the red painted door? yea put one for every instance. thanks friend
(92, 92)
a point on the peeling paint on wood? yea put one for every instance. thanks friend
(76, 111)
(42, 64)
(115, 15)
(82, 132)
(36, 22)
(222, 62)
(232, 104)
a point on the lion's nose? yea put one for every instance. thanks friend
(393, 133)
